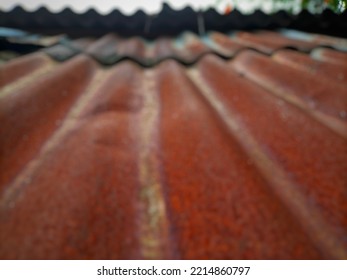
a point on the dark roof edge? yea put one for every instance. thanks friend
(166, 23)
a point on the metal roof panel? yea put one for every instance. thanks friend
(188, 147)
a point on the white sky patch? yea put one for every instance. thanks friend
(104, 6)
(129, 7)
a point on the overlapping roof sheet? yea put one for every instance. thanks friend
(221, 146)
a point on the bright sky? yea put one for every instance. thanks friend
(129, 6)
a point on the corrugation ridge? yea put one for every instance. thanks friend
(151, 62)
(50, 143)
(319, 39)
(70, 240)
(315, 105)
(100, 99)
(329, 55)
(27, 80)
(111, 50)
(213, 187)
(154, 62)
(23, 140)
(303, 62)
(287, 190)
(23, 68)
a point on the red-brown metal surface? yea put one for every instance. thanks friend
(240, 158)
(21, 67)
(78, 200)
(226, 45)
(291, 150)
(30, 113)
(189, 47)
(268, 42)
(330, 55)
(326, 70)
(215, 193)
(318, 94)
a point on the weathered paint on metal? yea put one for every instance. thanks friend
(240, 158)
(334, 73)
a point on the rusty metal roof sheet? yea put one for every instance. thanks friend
(188, 48)
(227, 146)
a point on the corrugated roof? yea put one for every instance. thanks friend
(188, 48)
(227, 146)
(165, 22)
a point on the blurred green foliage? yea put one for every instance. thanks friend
(317, 6)
(294, 6)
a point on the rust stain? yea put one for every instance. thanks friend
(154, 228)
